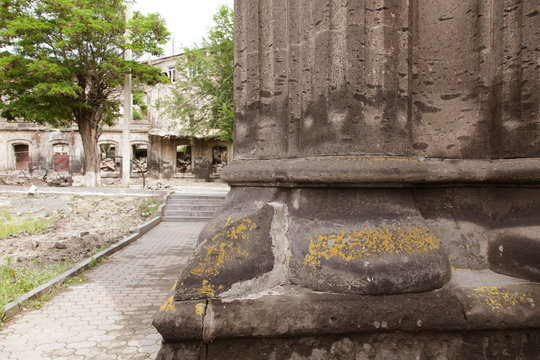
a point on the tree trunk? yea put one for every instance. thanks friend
(90, 135)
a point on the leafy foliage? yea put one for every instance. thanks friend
(202, 97)
(63, 61)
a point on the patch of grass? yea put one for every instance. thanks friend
(14, 225)
(102, 247)
(5, 213)
(36, 303)
(148, 207)
(73, 280)
(17, 281)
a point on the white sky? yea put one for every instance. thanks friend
(187, 20)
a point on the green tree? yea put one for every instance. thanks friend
(62, 61)
(202, 96)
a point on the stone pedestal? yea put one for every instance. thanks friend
(377, 144)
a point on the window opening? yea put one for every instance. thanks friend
(219, 158)
(183, 158)
(140, 155)
(109, 163)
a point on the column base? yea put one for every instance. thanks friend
(477, 313)
(344, 240)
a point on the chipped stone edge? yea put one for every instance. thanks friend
(13, 308)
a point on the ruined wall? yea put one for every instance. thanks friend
(42, 139)
(441, 79)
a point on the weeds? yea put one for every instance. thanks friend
(15, 282)
(14, 225)
(148, 207)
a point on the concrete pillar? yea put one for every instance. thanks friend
(372, 146)
(128, 111)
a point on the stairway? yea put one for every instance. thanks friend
(186, 208)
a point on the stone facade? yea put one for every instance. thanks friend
(385, 180)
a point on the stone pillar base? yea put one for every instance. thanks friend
(489, 345)
(344, 240)
(479, 314)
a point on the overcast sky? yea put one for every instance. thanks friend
(187, 20)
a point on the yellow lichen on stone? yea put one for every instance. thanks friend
(174, 286)
(498, 298)
(368, 242)
(224, 246)
(168, 306)
(199, 308)
(207, 289)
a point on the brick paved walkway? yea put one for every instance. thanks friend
(109, 315)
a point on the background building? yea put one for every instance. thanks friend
(158, 145)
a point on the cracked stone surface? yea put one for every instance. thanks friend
(109, 315)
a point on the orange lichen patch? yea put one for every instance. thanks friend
(168, 306)
(498, 298)
(369, 242)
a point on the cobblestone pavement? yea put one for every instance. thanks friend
(109, 315)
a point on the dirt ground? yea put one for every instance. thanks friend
(82, 225)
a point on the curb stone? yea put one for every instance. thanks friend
(16, 306)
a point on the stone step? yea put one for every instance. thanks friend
(193, 207)
(195, 197)
(186, 218)
(183, 208)
(178, 213)
(194, 202)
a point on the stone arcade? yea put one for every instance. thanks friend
(384, 195)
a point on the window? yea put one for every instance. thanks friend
(108, 150)
(140, 151)
(60, 149)
(171, 73)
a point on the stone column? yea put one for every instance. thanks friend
(128, 111)
(354, 122)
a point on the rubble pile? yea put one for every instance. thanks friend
(158, 186)
(62, 179)
(183, 166)
(108, 165)
(140, 164)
